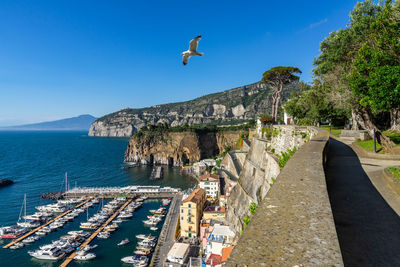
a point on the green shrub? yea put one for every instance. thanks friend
(395, 171)
(285, 156)
(253, 208)
(246, 221)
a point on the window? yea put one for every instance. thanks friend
(189, 205)
(182, 218)
(181, 210)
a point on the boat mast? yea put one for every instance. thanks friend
(66, 182)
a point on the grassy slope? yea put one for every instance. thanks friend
(335, 130)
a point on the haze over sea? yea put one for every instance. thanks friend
(37, 162)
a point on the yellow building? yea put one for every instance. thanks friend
(214, 212)
(191, 211)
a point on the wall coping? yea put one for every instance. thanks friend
(294, 224)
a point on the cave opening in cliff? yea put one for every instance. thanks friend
(170, 161)
(151, 161)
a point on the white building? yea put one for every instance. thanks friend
(199, 168)
(177, 254)
(210, 183)
(220, 238)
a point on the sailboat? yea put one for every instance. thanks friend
(25, 223)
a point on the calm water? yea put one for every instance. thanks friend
(37, 162)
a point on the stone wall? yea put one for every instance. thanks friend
(293, 225)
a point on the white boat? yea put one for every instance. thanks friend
(103, 235)
(146, 237)
(117, 221)
(137, 260)
(28, 224)
(29, 240)
(153, 228)
(89, 247)
(83, 256)
(89, 226)
(123, 242)
(48, 254)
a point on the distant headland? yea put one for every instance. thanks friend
(79, 123)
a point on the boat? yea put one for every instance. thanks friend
(54, 254)
(165, 202)
(83, 256)
(17, 245)
(146, 237)
(147, 243)
(153, 228)
(142, 252)
(137, 260)
(123, 242)
(103, 235)
(90, 247)
(29, 240)
(117, 221)
(11, 232)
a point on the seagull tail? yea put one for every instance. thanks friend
(200, 54)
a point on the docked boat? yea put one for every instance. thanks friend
(17, 245)
(165, 202)
(29, 240)
(89, 226)
(83, 256)
(103, 235)
(142, 252)
(137, 260)
(123, 242)
(11, 232)
(90, 247)
(53, 254)
(146, 237)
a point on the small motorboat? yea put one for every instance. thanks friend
(123, 242)
(142, 252)
(103, 235)
(154, 228)
(82, 256)
(28, 240)
(146, 237)
(89, 247)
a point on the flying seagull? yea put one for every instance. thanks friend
(192, 51)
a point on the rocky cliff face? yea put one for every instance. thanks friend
(178, 148)
(232, 106)
(260, 169)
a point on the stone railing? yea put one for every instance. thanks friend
(294, 224)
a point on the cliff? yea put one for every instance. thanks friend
(260, 169)
(178, 148)
(228, 107)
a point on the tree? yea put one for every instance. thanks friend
(340, 53)
(277, 78)
(375, 78)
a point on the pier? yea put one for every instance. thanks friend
(43, 225)
(127, 191)
(167, 235)
(157, 173)
(72, 256)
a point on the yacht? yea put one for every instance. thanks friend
(11, 232)
(89, 226)
(123, 242)
(89, 247)
(103, 235)
(137, 260)
(48, 254)
(28, 224)
(146, 237)
(83, 256)
(153, 228)
(29, 240)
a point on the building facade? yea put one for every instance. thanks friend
(210, 183)
(191, 211)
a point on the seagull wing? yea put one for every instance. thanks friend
(185, 59)
(194, 43)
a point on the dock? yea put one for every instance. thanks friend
(167, 235)
(44, 225)
(157, 173)
(71, 257)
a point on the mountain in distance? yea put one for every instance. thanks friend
(234, 106)
(79, 123)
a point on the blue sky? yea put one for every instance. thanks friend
(65, 58)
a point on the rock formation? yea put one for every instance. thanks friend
(5, 182)
(178, 148)
(229, 107)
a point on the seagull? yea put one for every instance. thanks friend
(192, 51)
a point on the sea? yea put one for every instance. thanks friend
(38, 161)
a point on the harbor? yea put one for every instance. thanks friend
(76, 244)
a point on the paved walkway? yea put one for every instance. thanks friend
(168, 238)
(368, 228)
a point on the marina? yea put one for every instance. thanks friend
(44, 225)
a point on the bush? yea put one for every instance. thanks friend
(266, 119)
(246, 221)
(285, 156)
(253, 208)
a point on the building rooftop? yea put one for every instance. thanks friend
(226, 252)
(178, 250)
(215, 209)
(214, 260)
(222, 230)
(209, 178)
(195, 196)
